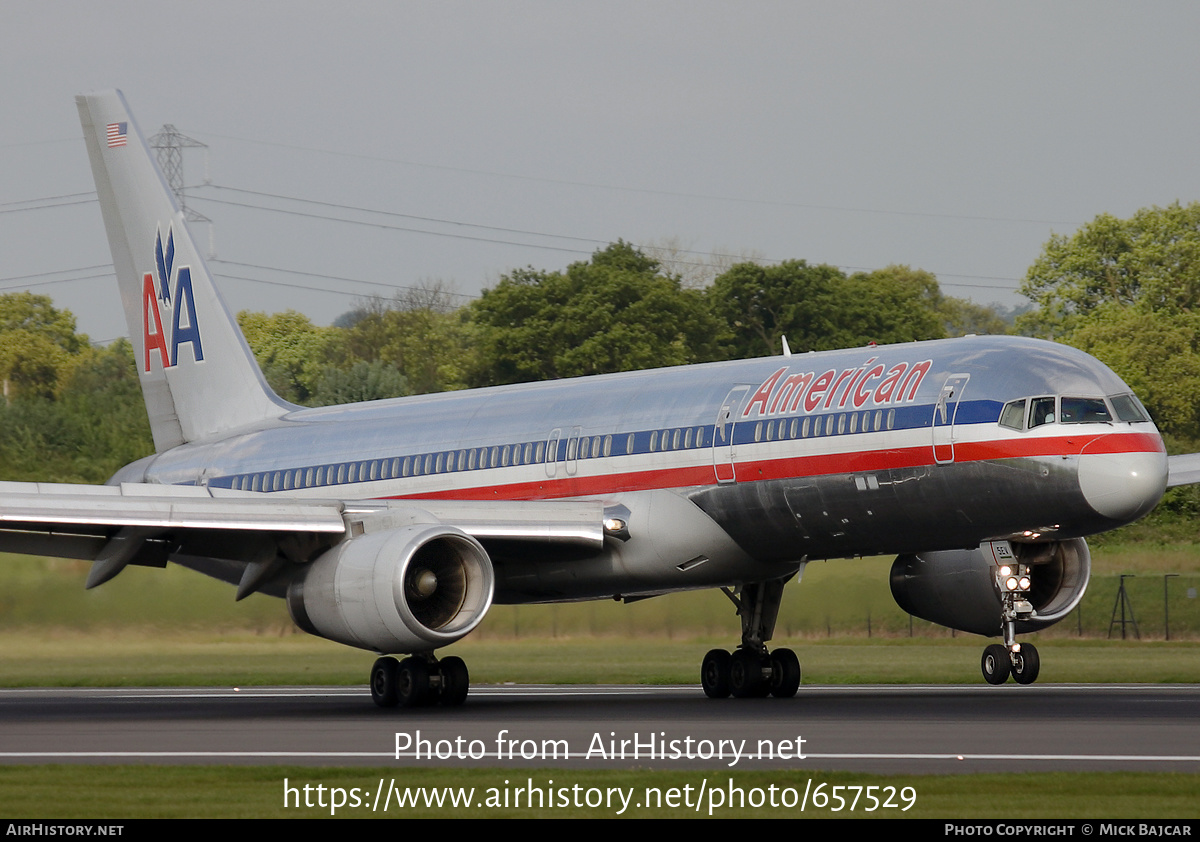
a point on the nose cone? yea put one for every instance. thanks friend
(1123, 486)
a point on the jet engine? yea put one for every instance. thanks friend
(959, 588)
(412, 589)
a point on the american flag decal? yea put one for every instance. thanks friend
(116, 134)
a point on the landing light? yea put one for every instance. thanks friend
(613, 524)
(616, 522)
(1013, 578)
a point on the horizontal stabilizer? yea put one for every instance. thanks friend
(1183, 470)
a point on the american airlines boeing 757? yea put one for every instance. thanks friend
(982, 463)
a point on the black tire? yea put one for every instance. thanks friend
(412, 682)
(746, 679)
(995, 664)
(383, 683)
(785, 673)
(456, 681)
(714, 674)
(1028, 665)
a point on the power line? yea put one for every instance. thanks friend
(319, 275)
(58, 281)
(57, 272)
(48, 206)
(290, 285)
(32, 280)
(398, 215)
(91, 194)
(1010, 287)
(68, 199)
(646, 190)
(45, 142)
(389, 227)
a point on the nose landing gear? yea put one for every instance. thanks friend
(1020, 660)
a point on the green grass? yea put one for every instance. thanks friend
(171, 627)
(168, 627)
(835, 598)
(136, 658)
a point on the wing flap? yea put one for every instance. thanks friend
(77, 521)
(579, 523)
(40, 507)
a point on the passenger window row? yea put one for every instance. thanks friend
(552, 450)
(464, 459)
(838, 423)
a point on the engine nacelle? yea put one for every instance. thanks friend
(957, 588)
(412, 589)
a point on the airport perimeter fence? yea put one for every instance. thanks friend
(860, 612)
(835, 599)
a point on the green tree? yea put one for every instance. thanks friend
(364, 381)
(37, 314)
(96, 424)
(616, 312)
(420, 333)
(758, 305)
(961, 317)
(38, 345)
(819, 308)
(1150, 260)
(71, 412)
(892, 304)
(291, 351)
(104, 398)
(1157, 353)
(1128, 291)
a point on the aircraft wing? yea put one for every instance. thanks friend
(98, 509)
(142, 524)
(1183, 470)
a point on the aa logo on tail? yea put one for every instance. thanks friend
(177, 299)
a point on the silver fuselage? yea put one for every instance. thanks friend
(874, 450)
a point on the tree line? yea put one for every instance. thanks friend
(618, 311)
(1124, 290)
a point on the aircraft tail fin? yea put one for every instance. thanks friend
(198, 375)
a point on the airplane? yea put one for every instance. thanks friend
(981, 462)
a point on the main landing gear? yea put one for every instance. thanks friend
(419, 681)
(1020, 660)
(751, 671)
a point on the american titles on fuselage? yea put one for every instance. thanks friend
(870, 384)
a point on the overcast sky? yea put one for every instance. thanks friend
(954, 137)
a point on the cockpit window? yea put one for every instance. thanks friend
(1013, 415)
(1042, 412)
(1128, 408)
(1084, 411)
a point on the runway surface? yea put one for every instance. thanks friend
(886, 729)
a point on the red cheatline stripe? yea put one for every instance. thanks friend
(800, 466)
